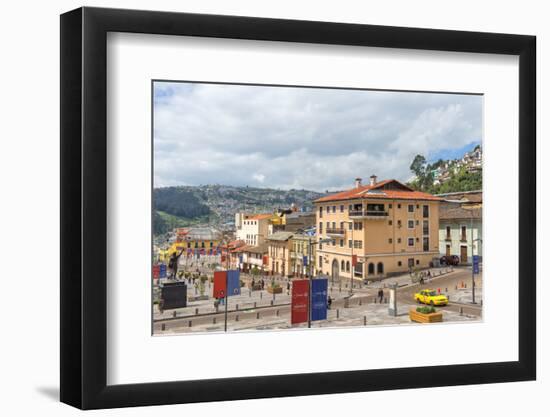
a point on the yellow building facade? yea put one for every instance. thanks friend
(387, 227)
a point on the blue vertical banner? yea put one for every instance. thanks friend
(162, 270)
(476, 264)
(319, 292)
(233, 283)
(304, 261)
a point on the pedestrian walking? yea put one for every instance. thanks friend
(329, 302)
(381, 295)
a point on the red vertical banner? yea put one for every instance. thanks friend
(353, 260)
(300, 301)
(220, 284)
(265, 260)
(156, 271)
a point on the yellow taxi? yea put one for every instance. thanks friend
(431, 297)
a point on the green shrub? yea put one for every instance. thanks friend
(425, 310)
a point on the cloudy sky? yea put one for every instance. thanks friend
(317, 139)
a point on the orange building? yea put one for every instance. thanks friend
(385, 227)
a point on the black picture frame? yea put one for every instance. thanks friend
(84, 207)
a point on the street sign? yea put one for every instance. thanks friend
(220, 281)
(233, 283)
(300, 301)
(476, 264)
(319, 292)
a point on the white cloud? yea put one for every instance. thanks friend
(301, 137)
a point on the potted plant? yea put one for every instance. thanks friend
(274, 288)
(425, 314)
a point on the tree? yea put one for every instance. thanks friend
(418, 165)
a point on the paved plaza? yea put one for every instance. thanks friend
(261, 310)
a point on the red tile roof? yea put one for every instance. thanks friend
(406, 193)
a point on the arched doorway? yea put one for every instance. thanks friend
(371, 269)
(335, 271)
(380, 268)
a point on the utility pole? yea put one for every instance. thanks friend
(352, 264)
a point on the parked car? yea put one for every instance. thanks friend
(449, 260)
(431, 297)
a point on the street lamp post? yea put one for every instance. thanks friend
(352, 264)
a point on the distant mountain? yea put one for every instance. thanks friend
(217, 204)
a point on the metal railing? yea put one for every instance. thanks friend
(367, 213)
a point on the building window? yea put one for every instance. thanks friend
(426, 227)
(341, 225)
(399, 206)
(399, 263)
(341, 208)
(417, 262)
(398, 240)
(390, 205)
(211, 244)
(425, 211)
(398, 223)
(390, 222)
(350, 225)
(202, 244)
(380, 268)
(320, 227)
(334, 225)
(357, 225)
(358, 244)
(350, 243)
(341, 243)
(411, 208)
(417, 206)
(417, 222)
(334, 209)
(417, 239)
(347, 266)
(390, 240)
(426, 244)
(411, 224)
(448, 229)
(411, 241)
(350, 207)
(320, 261)
(333, 242)
(321, 212)
(410, 262)
(371, 269)
(320, 246)
(463, 233)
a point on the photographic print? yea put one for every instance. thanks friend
(286, 207)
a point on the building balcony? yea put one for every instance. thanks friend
(333, 231)
(368, 214)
